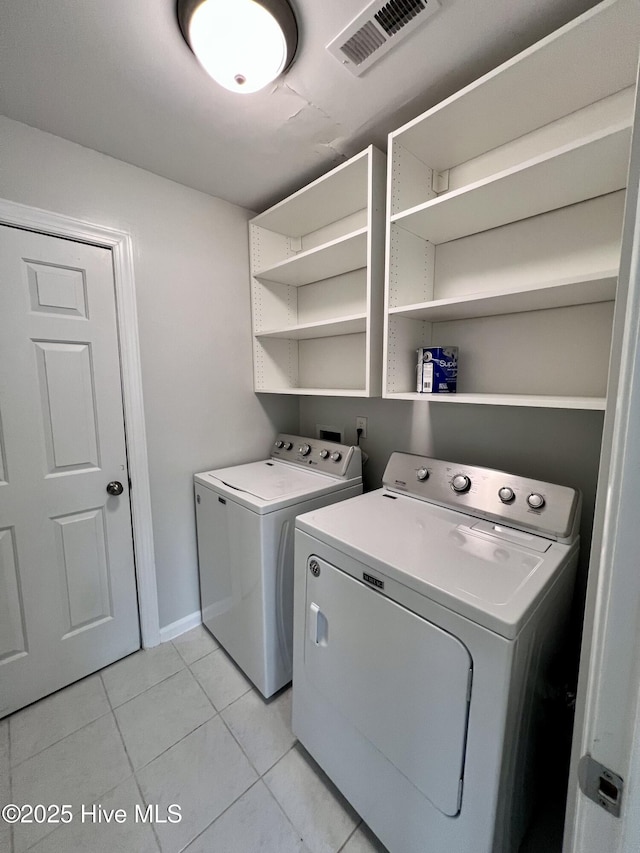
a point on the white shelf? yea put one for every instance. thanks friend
(524, 400)
(599, 287)
(352, 325)
(316, 392)
(333, 258)
(503, 237)
(591, 166)
(333, 196)
(317, 275)
(559, 75)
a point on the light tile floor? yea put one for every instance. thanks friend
(178, 724)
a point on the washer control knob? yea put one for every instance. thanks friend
(422, 474)
(336, 456)
(324, 453)
(288, 445)
(304, 450)
(461, 483)
(506, 494)
(535, 501)
(279, 444)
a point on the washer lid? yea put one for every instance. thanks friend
(494, 577)
(268, 485)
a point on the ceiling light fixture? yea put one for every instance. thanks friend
(242, 44)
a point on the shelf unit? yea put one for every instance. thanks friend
(317, 274)
(505, 217)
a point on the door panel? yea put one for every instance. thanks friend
(82, 563)
(401, 681)
(56, 290)
(66, 550)
(68, 406)
(12, 633)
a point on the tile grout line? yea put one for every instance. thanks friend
(242, 750)
(258, 779)
(216, 713)
(155, 684)
(188, 663)
(284, 755)
(355, 829)
(298, 833)
(215, 708)
(60, 739)
(229, 729)
(164, 751)
(230, 806)
(164, 680)
(146, 804)
(97, 800)
(260, 776)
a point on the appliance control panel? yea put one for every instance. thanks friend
(328, 457)
(544, 508)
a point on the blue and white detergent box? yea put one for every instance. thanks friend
(437, 370)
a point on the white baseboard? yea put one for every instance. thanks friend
(180, 627)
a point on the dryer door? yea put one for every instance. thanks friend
(401, 681)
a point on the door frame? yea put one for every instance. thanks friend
(121, 246)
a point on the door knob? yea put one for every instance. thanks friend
(115, 488)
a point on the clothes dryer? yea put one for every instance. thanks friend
(427, 615)
(245, 523)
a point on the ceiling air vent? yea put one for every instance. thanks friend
(378, 28)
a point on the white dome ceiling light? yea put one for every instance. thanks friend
(242, 44)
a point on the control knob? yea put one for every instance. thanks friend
(535, 501)
(304, 450)
(279, 444)
(422, 474)
(506, 494)
(336, 456)
(288, 445)
(461, 483)
(324, 453)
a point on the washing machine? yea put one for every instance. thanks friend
(427, 615)
(245, 523)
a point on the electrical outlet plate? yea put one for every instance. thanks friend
(361, 423)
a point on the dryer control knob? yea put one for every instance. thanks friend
(279, 444)
(304, 450)
(461, 483)
(336, 456)
(288, 445)
(422, 474)
(324, 453)
(535, 501)
(506, 494)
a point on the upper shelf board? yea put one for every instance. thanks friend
(595, 56)
(592, 166)
(332, 197)
(338, 256)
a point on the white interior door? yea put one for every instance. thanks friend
(68, 602)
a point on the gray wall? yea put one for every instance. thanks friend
(192, 285)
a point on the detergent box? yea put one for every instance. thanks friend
(437, 371)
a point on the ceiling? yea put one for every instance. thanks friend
(117, 76)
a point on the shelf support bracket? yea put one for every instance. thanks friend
(440, 181)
